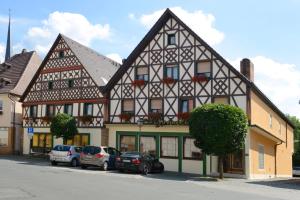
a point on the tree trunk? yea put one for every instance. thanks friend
(221, 176)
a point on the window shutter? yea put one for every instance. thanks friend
(191, 105)
(203, 67)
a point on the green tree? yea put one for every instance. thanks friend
(218, 130)
(296, 155)
(63, 126)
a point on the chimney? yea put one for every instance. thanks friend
(247, 69)
(24, 51)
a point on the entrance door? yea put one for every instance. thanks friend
(234, 163)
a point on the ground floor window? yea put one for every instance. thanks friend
(79, 140)
(42, 142)
(3, 138)
(190, 151)
(127, 143)
(148, 144)
(261, 156)
(169, 147)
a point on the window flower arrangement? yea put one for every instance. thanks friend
(168, 80)
(138, 83)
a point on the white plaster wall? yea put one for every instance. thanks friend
(170, 164)
(192, 166)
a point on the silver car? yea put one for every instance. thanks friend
(65, 154)
(100, 156)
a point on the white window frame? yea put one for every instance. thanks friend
(270, 120)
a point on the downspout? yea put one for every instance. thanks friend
(13, 123)
(275, 151)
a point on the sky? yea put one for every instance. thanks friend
(266, 31)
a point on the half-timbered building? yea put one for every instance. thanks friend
(69, 80)
(172, 71)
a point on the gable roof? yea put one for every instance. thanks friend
(15, 69)
(151, 34)
(99, 67)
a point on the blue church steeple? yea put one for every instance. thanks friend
(8, 42)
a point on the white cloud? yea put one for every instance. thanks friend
(2, 50)
(114, 56)
(200, 22)
(75, 26)
(131, 16)
(279, 81)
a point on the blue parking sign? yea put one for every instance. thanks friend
(30, 130)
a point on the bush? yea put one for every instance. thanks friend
(63, 126)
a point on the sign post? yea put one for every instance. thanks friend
(30, 132)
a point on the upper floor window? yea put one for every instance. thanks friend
(88, 109)
(61, 54)
(156, 106)
(68, 109)
(171, 71)
(187, 105)
(171, 39)
(127, 106)
(270, 120)
(203, 68)
(142, 73)
(50, 85)
(70, 83)
(1, 106)
(33, 111)
(221, 100)
(50, 110)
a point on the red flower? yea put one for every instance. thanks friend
(154, 116)
(138, 83)
(168, 80)
(125, 116)
(183, 116)
(199, 78)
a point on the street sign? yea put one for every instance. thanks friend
(30, 132)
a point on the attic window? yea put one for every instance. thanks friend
(171, 39)
(70, 83)
(61, 54)
(50, 85)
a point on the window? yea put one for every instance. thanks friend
(50, 85)
(3, 138)
(61, 54)
(142, 73)
(1, 106)
(156, 106)
(41, 142)
(70, 83)
(190, 150)
(261, 156)
(127, 143)
(68, 109)
(187, 105)
(50, 110)
(221, 100)
(270, 120)
(171, 72)
(88, 109)
(171, 39)
(203, 68)
(148, 145)
(128, 106)
(79, 140)
(33, 111)
(169, 147)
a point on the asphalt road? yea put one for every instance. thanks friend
(34, 179)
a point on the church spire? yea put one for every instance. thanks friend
(8, 43)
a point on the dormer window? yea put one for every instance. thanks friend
(203, 69)
(61, 54)
(171, 39)
(50, 85)
(142, 73)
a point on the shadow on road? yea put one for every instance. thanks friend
(292, 183)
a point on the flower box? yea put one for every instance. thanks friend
(138, 83)
(168, 80)
(183, 116)
(125, 116)
(46, 119)
(29, 119)
(155, 116)
(85, 118)
(200, 78)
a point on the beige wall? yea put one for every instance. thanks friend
(5, 117)
(7, 149)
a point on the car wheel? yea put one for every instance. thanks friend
(74, 162)
(53, 163)
(145, 169)
(105, 166)
(83, 166)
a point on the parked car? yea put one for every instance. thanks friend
(65, 154)
(296, 171)
(138, 162)
(100, 156)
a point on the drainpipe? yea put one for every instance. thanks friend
(13, 122)
(275, 149)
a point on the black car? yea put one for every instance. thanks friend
(138, 162)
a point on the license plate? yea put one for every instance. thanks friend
(127, 161)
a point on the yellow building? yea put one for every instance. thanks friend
(170, 72)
